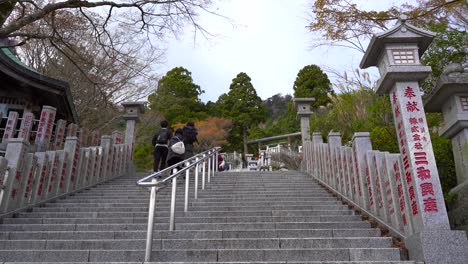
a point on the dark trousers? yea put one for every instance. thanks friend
(160, 155)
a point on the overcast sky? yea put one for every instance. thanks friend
(267, 39)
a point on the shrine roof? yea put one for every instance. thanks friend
(15, 75)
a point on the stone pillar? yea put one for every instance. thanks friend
(72, 148)
(361, 144)
(44, 129)
(60, 133)
(303, 112)
(332, 160)
(117, 137)
(95, 138)
(450, 96)
(106, 160)
(396, 53)
(72, 130)
(10, 186)
(10, 126)
(26, 126)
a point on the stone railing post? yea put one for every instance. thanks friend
(396, 53)
(44, 130)
(10, 186)
(72, 148)
(106, 160)
(10, 126)
(361, 144)
(60, 134)
(26, 126)
(332, 170)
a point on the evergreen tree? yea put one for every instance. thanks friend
(311, 81)
(243, 106)
(177, 97)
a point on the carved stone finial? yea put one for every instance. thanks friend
(403, 18)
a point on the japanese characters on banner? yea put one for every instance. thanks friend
(44, 129)
(370, 181)
(419, 167)
(39, 186)
(26, 126)
(399, 193)
(10, 126)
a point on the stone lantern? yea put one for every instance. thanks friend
(397, 53)
(132, 112)
(303, 112)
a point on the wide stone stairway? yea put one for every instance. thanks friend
(241, 217)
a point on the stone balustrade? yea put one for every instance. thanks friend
(372, 179)
(44, 164)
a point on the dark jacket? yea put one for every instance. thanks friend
(155, 137)
(190, 135)
(174, 156)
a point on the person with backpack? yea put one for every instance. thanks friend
(160, 142)
(176, 153)
(190, 137)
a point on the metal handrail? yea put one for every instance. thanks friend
(151, 181)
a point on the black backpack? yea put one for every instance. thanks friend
(163, 136)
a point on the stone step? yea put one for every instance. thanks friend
(231, 219)
(193, 208)
(73, 200)
(191, 244)
(200, 204)
(190, 234)
(216, 255)
(230, 262)
(161, 213)
(184, 226)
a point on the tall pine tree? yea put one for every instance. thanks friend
(243, 106)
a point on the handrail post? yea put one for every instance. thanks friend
(203, 173)
(216, 161)
(209, 167)
(196, 178)
(187, 175)
(149, 233)
(173, 202)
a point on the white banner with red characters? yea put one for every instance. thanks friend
(419, 167)
(44, 129)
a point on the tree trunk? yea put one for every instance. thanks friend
(244, 139)
(5, 10)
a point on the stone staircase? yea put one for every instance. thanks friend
(241, 217)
